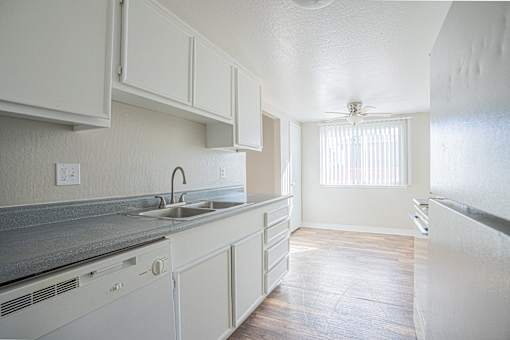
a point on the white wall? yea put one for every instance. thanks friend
(135, 156)
(284, 123)
(263, 168)
(364, 207)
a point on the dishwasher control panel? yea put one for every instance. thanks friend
(160, 266)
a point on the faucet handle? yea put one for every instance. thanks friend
(181, 198)
(162, 202)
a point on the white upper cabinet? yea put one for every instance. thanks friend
(63, 60)
(156, 51)
(247, 132)
(213, 80)
(167, 66)
(55, 60)
(248, 111)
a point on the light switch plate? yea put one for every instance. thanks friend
(223, 172)
(67, 173)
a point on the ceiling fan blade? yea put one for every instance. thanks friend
(365, 109)
(337, 113)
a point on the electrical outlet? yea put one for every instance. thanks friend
(67, 173)
(223, 172)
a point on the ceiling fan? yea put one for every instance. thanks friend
(357, 113)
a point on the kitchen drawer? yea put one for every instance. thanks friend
(273, 233)
(275, 216)
(276, 253)
(273, 278)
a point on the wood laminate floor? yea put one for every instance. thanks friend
(341, 285)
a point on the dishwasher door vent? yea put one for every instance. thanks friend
(16, 304)
(43, 294)
(63, 287)
(24, 301)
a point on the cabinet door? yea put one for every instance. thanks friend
(55, 58)
(248, 284)
(156, 51)
(203, 297)
(213, 80)
(249, 114)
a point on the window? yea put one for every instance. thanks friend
(370, 153)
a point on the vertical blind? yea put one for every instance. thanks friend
(369, 153)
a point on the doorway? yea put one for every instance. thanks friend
(277, 168)
(295, 175)
(263, 168)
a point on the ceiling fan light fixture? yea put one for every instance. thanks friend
(313, 4)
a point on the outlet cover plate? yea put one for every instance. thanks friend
(67, 173)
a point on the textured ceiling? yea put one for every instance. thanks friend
(311, 61)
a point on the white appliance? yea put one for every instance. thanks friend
(468, 261)
(124, 296)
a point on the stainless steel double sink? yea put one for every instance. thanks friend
(189, 211)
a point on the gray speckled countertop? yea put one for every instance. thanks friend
(32, 250)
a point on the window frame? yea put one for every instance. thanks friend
(374, 186)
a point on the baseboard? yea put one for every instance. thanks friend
(362, 229)
(296, 228)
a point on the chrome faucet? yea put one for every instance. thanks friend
(181, 199)
(162, 202)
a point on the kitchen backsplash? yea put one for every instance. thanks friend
(134, 157)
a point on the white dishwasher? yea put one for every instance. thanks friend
(124, 296)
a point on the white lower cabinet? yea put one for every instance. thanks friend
(247, 273)
(276, 244)
(277, 252)
(220, 274)
(275, 275)
(275, 232)
(203, 297)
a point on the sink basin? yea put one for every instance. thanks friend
(215, 205)
(190, 211)
(177, 213)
